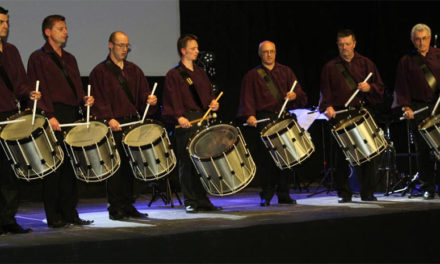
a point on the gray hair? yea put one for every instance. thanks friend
(263, 42)
(420, 27)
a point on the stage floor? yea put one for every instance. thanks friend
(173, 226)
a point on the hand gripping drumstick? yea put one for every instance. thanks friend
(285, 101)
(209, 110)
(37, 86)
(88, 107)
(357, 90)
(258, 121)
(199, 119)
(148, 105)
(416, 112)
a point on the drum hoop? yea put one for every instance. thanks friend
(353, 124)
(282, 131)
(35, 134)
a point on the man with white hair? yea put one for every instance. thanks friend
(416, 86)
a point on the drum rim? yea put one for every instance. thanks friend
(215, 157)
(282, 131)
(147, 146)
(424, 121)
(90, 146)
(34, 134)
(355, 123)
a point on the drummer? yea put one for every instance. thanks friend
(13, 88)
(187, 94)
(415, 89)
(60, 81)
(340, 78)
(123, 92)
(263, 91)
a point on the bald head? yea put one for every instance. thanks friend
(265, 44)
(115, 35)
(267, 53)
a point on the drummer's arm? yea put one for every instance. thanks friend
(408, 112)
(114, 125)
(330, 112)
(54, 124)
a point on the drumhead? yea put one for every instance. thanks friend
(143, 135)
(24, 129)
(213, 141)
(273, 128)
(81, 136)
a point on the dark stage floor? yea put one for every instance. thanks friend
(317, 229)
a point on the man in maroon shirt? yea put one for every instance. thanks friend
(340, 77)
(13, 88)
(60, 81)
(187, 95)
(109, 81)
(415, 89)
(258, 102)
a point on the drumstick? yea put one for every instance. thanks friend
(341, 111)
(435, 107)
(88, 106)
(148, 105)
(130, 123)
(11, 121)
(357, 91)
(199, 119)
(35, 102)
(258, 121)
(416, 112)
(73, 124)
(209, 109)
(285, 101)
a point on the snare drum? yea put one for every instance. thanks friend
(148, 149)
(287, 143)
(221, 158)
(32, 150)
(92, 152)
(429, 128)
(359, 137)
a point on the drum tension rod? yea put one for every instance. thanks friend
(157, 161)
(293, 139)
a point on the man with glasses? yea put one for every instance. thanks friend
(123, 93)
(417, 86)
(263, 91)
(60, 80)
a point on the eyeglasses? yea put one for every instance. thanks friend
(120, 45)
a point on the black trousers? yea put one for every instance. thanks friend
(191, 186)
(120, 185)
(9, 189)
(272, 179)
(60, 189)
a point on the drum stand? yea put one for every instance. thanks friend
(166, 197)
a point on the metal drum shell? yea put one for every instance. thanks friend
(429, 128)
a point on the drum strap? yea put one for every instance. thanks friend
(184, 74)
(116, 71)
(7, 81)
(429, 77)
(349, 80)
(66, 75)
(270, 84)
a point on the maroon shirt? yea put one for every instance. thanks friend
(177, 97)
(11, 61)
(111, 99)
(410, 81)
(335, 91)
(255, 96)
(53, 85)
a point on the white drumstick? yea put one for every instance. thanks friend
(341, 111)
(129, 124)
(37, 86)
(258, 121)
(285, 101)
(357, 91)
(11, 121)
(416, 112)
(148, 105)
(73, 124)
(88, 106)
(435, 107)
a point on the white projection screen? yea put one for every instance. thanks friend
(152, 26)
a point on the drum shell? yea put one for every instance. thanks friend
(27, 150)
(226, 173)
(150, 161)
(288, 144)
(429, 128)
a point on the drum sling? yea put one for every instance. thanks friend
(270, 85)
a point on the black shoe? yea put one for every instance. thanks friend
(57, 224)
(118, 215)
(133, 212)
(428, 195)
(344, 199)
(190, 209)
(15, 229)
(264, 202)
(80, 222)
(286, 200)
(369, 198)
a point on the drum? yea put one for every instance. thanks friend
(359, 137)
(429, 128)
(92, 152)
(32, 150)
(221, 158)
(287, 143)
(148, 149)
